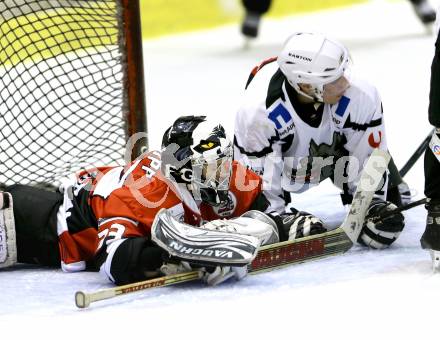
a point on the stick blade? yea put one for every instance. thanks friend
(371, 177)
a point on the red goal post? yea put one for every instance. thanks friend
(71, 86)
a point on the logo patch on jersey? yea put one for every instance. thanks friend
(375, 139)
(280, 116)
(323, 150)
(436, 150)
(227, 208)
(342, 106)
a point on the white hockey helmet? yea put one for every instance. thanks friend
(205, 152)
(312, 58)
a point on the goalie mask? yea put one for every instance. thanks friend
(201, 156)
(313, 59)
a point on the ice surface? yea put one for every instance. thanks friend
(360, 295)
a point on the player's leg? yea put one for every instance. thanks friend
(254, 10)
(34, 211)
(431, 237)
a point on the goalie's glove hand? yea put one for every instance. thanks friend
(175, 267)
(216, 275)
(211, 275)
(377, 232)
(299, 224)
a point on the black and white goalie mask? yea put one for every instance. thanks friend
(198, 153)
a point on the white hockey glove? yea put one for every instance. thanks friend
(211, 275)
(381, 233)
(202, 245)
(171, 268)
(253, 223)
(217, 275)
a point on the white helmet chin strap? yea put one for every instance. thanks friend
(318, 91)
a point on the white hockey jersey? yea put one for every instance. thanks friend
(294, 150)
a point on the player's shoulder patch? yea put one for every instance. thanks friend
(340, 111)
(282, 119)
(342, 106)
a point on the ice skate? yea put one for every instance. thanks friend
(431, 237)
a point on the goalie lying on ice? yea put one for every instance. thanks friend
(189, 206)
(150, 217)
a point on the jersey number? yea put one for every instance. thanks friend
(111, 234)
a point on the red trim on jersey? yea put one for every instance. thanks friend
(258, 68)
(77, 247)
(262, 64)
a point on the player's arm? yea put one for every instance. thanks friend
(257, 146)
(365, 133)
(124, 254)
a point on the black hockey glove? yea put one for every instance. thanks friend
(377, 232)
(297, 224)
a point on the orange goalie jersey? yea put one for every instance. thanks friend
(125, 200)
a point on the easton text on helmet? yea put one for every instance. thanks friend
(297, 56)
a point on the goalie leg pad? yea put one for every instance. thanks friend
(253, 223)
(35, 215)
(8, 244)
(202, 246)
(272, 234)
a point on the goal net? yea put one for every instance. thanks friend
(68, 97)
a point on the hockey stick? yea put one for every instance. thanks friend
(388, 213)
(416, 155)
(408, 165)
(279, 255)
(84, 300)
(269, 257)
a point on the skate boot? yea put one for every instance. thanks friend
(431, 237)
(424, 11)
(250, 25)
(405, 193)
